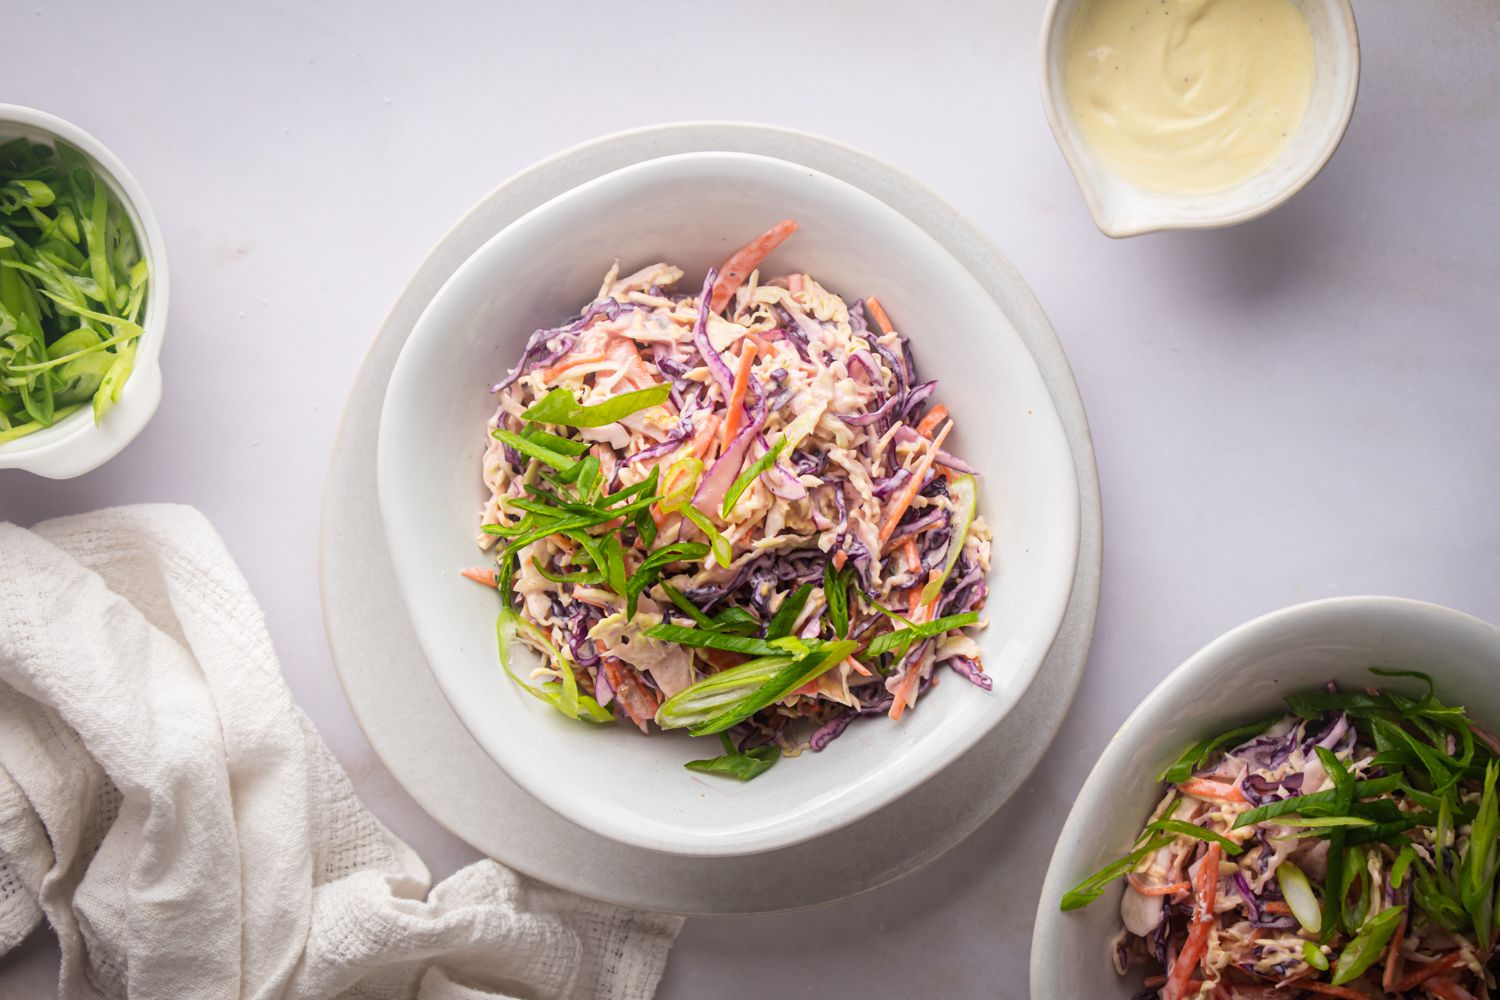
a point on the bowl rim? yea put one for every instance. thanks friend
(75, 445)
(1064, 133)
(1124, 744)
(757, 840)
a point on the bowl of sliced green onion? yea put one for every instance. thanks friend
(83, 299)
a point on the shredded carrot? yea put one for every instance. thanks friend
(1393, 958)
(484, 576)
(858, 668)
(1141, 887)
(1215, 791)
(737, 396)
(877, 313)
(571, 361)
(935, 416)
(1205, 888)
(1446, 989)
(1275, 906)
(1450, 961)
(909, 550)
(1327, 990)
(839, 558)
(903, 691)
(704, 439)
(745, 260)
(909, 492)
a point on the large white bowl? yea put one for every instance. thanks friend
(1121, 208)
(692, 210)
(1238, 678)
(75, 445)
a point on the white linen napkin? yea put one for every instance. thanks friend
(175, 817)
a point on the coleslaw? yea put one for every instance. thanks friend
(1347, 849)
(730, 510)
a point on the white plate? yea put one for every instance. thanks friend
(416, 734)
(691, 209)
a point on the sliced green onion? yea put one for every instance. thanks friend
(1092, 887)
(836, 594)
(1299, 896)
(1185, 829)
(560, 407)
(1367, 946)
(904, 637)
(723, 553)
(742, 766)
(532, 449)
(562, 695)
(1314, 957)
(742, 483)
(785, 618)
(963, 491)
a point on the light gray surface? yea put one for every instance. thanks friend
(1299, 407)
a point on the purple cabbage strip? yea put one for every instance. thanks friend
(533, 355)
(858, 325)
(914, 399)
(912, 527)
(710, 492)
(862, 419)
(716, 366)
(1243, 885)
(968, 669)
(885, 487)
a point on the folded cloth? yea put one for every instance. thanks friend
(175, 817)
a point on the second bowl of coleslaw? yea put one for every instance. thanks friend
(724, 501)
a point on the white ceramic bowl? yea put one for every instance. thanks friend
(693, 209)
(74, 445)
(1238, 678)
(1121, 208)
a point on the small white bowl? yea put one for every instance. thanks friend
(1238, 678)
(1121, 208)
(75, 445)
(693, 210)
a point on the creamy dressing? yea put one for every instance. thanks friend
(1189, 96)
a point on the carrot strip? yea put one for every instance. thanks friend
(484, 576)
(745, 260)
(1205, 888)
(1214, 791)
(839, 558)
(903, 690)
(909, 551)
(737, 395)
(1327, 990)
(935, 416)
(1446, 989)
(1393, 958)
(1276, 906)
(1141, 887)
(705, 437)
(909, 492)
(859, 668)
(637, 700)
(573, 361)
(877, 313)
(1436, 968)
